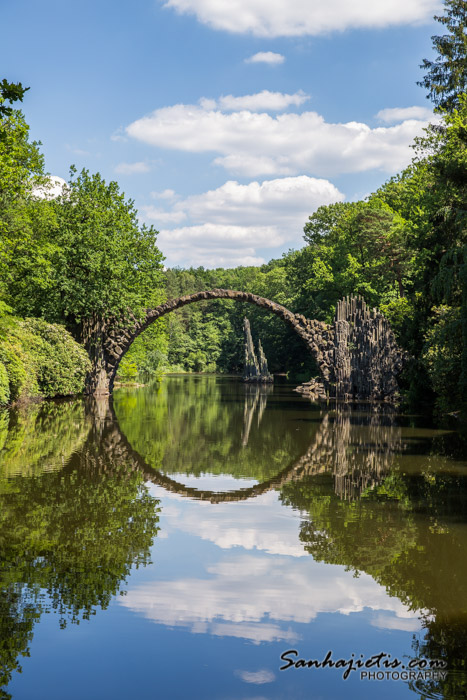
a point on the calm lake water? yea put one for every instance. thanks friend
(175, 542)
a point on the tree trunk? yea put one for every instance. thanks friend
(93, 335)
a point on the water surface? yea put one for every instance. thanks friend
(176, 541)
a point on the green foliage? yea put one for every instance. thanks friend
(127, 371)
(147, 357)
(19, 363)
(401, 314)
(41, 359)
(104, 264)
(25, 218)
(443, 356)
(323, 222)
(4, 420)
(4, 385)
(61, 364)
(353, 248)
(446, 78)
(435, 190)
(10, 92)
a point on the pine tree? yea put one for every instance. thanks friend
(447, 74)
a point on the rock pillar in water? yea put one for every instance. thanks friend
(263, 365)
(254, 371)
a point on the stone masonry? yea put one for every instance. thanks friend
(357, 355)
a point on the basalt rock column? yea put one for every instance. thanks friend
(254, 370)
(263, 365)
(251, 367)
(358, 356)
(367, 358)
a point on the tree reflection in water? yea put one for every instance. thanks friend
(69, 537)
(405, 528)
(76, 515)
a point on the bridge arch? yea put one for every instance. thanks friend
(357, 356)
(315, 334)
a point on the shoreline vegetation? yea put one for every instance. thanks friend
(76, 263)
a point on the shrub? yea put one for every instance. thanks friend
(127, 371)
(4, 385)
(19, 364)
(41, 360)
(61, 363)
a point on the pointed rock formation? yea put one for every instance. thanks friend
(263, 365)
(253, 370)
(251, 367)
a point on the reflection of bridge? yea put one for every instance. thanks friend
(357, 355)
(356, 449)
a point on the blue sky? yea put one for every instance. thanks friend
(227, 121)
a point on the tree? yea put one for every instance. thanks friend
(448, 215)
(353, 248)
(431, 194)
(104, 265)
(324, 220)
(105, 269)
(447, 74)
(25, 219)
(10, 92)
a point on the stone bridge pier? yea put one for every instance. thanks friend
(357, 355)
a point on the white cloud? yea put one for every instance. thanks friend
(132, 168)
(265, 100)
(224, 235)
(163, 217)
(389, 622)
(216, 245)
(247, 595)
(398, 114)
(255, 633)
(251, 524)
(273, 59)
(231, 222)
(257, 677)
(52, 189)
(165, 194)
(298, 18)
(119, 135)
(250, 143)
(284, 203)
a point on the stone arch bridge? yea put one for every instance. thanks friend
(357, 355)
